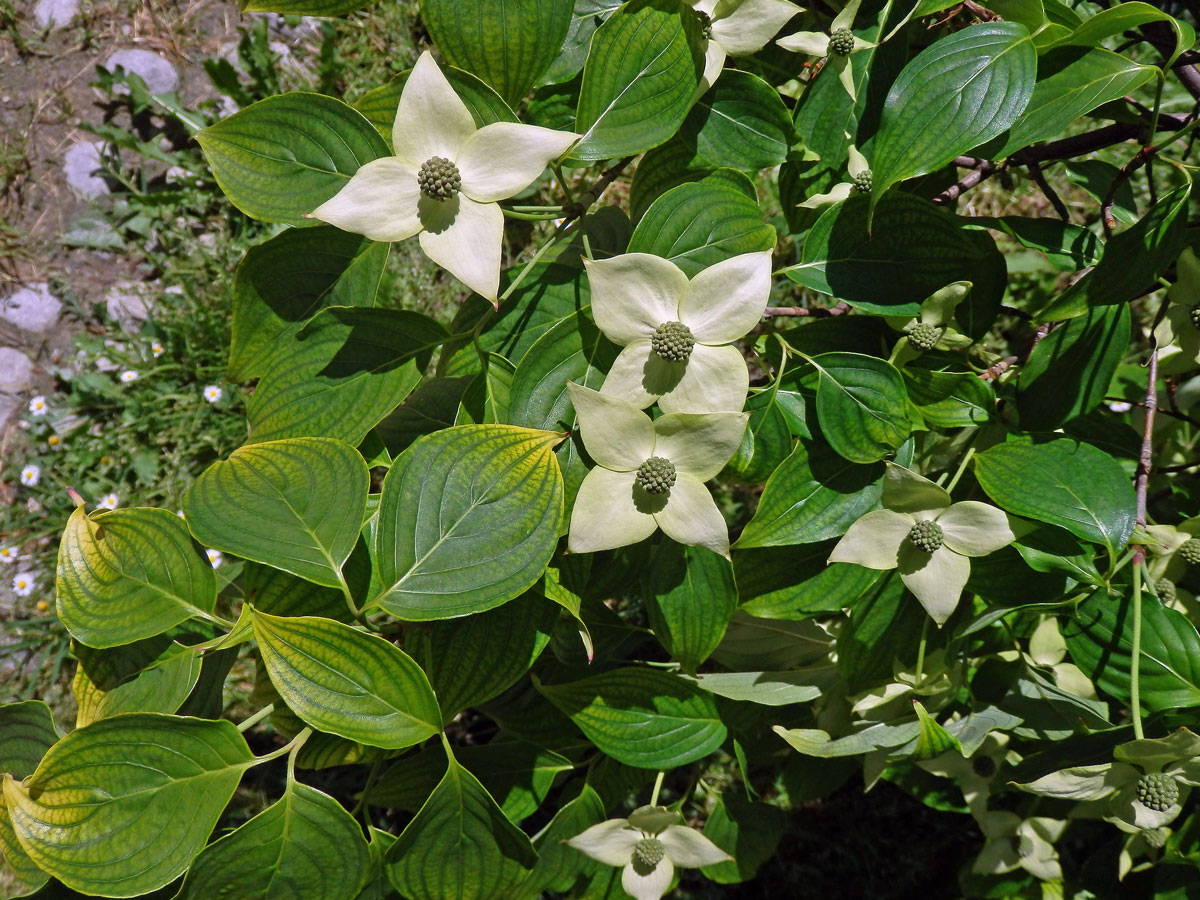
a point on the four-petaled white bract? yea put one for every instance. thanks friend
(22, 584)
(464, 232)
(739, 28)
(882, 539)
(634, 294)
(616, 843)
(30, 475)
(612, 509)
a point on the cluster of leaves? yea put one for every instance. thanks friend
(410, 494)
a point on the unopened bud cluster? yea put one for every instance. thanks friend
(1189, 551)
(841, 42)
(649, 852)
(861, 183)
(439, 178)
(1194, 314)
(1164, 589)
(656, 475)
(705, 24)
(673, 341)
(924, 336)
(1157, 791)
(926, 535)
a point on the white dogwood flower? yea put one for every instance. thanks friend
(445, 181)
(738, 28)
(925, 535)
(837, 45)
(649, 845)
(30, 475)
(649, 474)
(678, 333)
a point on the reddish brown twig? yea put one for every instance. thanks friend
(816, 312)
(995, 370)
(1138, 160)
(1145, 460)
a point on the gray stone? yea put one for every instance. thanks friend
(55, 13)
(32, 309)
(9, 405)
(160, 76)
(16, 370)
(127, 308)
(80, 163)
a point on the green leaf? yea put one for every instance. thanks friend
(459, 845)
(1100, 640)
(282, 283)
(642, 717)
(753, 644)
(767, 440)
(559, 866)
(749, 832)
(508, 45)
(347, 682)
(296, 505)
(884, 627)
(934, 740)
(639, 80)
(121, 807)
(161, 687)
(1132, 261)
(950, 399)
(468, 519)
(698, 224)
(341, 374)
(741, 123)
(475, 658)
(280, 158)
(1063, 482)
(1126, 16)
(878, 736)
(304, 846)
(799, 583)
(813, 495)
(1072, 81)
(959, 92)
(129, 574)
(1069, 247)
(303, 7)
(485, 105)
(26, 732)
(1069, 371)
(771, 688)
(883, 270)
(283, 594)
(486, 400)
(862, 405)
(690, 596)
(573, 349)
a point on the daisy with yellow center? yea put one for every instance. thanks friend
(22, 585)
(37, 406)
(30, 475)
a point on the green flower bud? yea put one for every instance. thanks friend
(1190, 551)
(648, 853)
(861, 183)
(1156, 837)
(673, 341)
(1194, 315)
(1157, 791)
(841, 42)
(656, 475)
(439, 178)
(924, 336)
(1165, 589)
(926, 535)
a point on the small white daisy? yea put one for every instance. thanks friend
(22, 584)
(8, 554)
(129, 375)
(212, 393)
(157, 349)
(108, 501)
(1120, 406)
(214, 557)
(37, 406)
(30, 475)
(179, 512)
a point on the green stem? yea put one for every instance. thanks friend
(921, 652)
(361, 805)
(287, 748)
(294, 749)
(541, 251)
(1135, 652)
(962, 467)
(256, 718)
(531, 217)
(657, 787)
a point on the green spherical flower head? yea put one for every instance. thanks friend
(926, 535)
(705, 24)
(861, 184)
(924, 336)
(656, 475)
(1189, 552)
(1156, 837)
(647, 854)
(1194, 315)
(841, 42)
(1157, 791)
(439, 178)
(673, 341)
(1165, 589)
